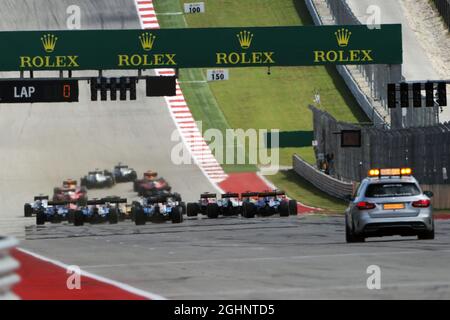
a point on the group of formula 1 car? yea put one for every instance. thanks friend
(248, 205)
(76, 211)
(155, 203)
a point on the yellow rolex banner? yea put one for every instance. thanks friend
(197, 48)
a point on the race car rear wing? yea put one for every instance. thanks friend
(121, 166)
(230, 195)
(116, 201)
(67, 189)
(106, 200)
(208, 195)
(150, 174)
(70, 182)
(61, 203)
(157, 199)
(161, 198)
(249, 194)
(36, 198)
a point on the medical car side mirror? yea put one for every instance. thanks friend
(429, 194)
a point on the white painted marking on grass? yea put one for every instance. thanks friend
(194, 81)
(169, 13)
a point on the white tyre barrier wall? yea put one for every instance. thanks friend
(8, 266)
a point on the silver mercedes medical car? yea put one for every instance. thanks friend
(389, 202)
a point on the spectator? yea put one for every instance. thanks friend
(325, 167)
(330, 161)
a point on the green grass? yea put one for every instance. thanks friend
(253, 99)
(300, 189)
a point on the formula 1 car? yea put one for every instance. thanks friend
(207, 205)
(98, 179)
(69, 191)
(155, 187)
(124, 207)
(122, 173)
(230, 204)
(212, 207)
(30, 209)
(54, 211)
(158, 209)
(69, 183)
(100, 211)
(147, 176)
(267, 203)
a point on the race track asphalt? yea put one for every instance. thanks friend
(42, 144)
(228, 258)
(263, 258)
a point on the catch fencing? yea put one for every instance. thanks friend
(425, 149)
(443, 7)
(377, 77)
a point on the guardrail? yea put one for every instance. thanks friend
(334, 187)
(313, 12)
(8, 265)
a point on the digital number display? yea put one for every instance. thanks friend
(351, 138)
(161, 86)
(30, 91)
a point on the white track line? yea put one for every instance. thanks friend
(178, 108)
(114, 283)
